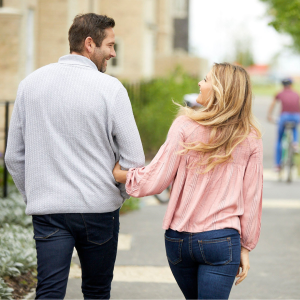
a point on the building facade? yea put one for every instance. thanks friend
(151, 38)
(150, 34)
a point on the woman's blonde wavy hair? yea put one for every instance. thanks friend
(228, 113)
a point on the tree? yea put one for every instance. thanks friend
(243, 53)
(286, 18)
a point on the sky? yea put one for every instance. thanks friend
(217, 25)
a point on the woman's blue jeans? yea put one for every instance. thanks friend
(286, 117)
(204, 264)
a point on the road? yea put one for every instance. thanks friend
(142, 270)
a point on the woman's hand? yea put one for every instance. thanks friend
(244, 264)
(119, 174)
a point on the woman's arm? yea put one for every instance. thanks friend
(252, 194)
(158, 175)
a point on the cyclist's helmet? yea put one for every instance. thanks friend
(287, 81)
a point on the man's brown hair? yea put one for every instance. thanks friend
(88, 25)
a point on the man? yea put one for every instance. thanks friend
(70, 125)
(290, 112)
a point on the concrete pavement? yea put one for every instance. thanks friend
(142, 270)
(274, 270)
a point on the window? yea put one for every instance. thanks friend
(180, 9)
(115, 60)
(115, 64)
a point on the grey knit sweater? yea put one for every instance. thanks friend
(69, 126)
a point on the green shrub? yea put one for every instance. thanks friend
(12, 211)
(9, 178)
(5, 291)
(18, 254)
(130, 204)
(153, 108)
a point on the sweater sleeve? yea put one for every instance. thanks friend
(160, 173)
(129, 149)
(15, 152)
(252, 193)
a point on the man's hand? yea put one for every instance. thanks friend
(119, 174)
(244, 264)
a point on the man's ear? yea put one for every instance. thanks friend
(89, 45)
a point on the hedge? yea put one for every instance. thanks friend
(153, 108)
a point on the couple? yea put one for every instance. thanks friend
(73, 136)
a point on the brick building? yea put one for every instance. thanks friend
(151, 38)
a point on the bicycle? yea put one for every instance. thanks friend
(164, 196)
(288, 153)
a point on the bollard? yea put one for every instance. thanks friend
(5, 173)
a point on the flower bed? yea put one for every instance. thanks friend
(18, 254)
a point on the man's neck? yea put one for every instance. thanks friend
(82, 54)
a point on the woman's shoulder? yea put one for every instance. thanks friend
(186, 125)
(184, 121)
(254, 140)
(254, 134)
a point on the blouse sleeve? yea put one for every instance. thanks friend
(160, 173)
(252, 193)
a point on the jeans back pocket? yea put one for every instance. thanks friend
(216, 252)
(42, 226)
(173, 249)
(99, 227)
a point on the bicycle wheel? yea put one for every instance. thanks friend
(163, 197)
(284, 158)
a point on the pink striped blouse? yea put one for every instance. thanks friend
(229, 196)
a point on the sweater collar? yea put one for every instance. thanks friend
(74, 59)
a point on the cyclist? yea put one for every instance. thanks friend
(290, 112)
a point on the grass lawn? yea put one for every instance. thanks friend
(271, 89)
(297, 163)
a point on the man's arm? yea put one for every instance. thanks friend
(126, 134)
(15, 151)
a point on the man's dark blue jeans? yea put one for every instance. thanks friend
(204, 264)
(95, 237)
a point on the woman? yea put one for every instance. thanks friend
(213, 157)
